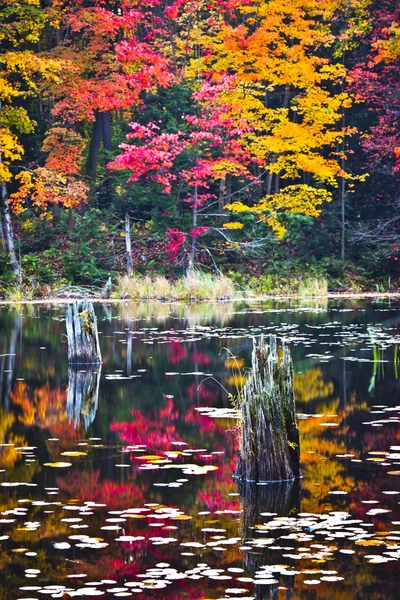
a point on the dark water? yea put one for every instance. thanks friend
(130, 493)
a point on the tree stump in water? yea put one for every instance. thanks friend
(83, 339)
(270, 441)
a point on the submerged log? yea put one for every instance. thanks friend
(270, 442)
(83, 395)
(83, 338)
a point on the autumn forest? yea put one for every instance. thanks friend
(255, 140)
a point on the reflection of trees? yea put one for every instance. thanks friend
(7, 362)
(281, 498)
(83, 394)
(8, 456)
(311, 385)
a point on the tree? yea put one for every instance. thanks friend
(289, 91)
(204, 151)
(375, 80)
(21, 70)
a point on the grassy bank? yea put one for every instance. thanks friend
(198, 286)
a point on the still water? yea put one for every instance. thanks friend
(118, 482)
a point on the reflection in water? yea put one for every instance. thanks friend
(150, 481)
(260, 503)
(7, 362)
(83, 394)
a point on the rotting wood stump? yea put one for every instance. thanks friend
(83, 338)
(270, 441)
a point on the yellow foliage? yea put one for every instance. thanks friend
(285, 89)
(233, 225)
(302, 199)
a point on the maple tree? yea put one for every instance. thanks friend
(377, 83)
(288, 90)
(20, 72)
(375, 80)
(211, 145)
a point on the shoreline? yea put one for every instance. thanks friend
(261, 298)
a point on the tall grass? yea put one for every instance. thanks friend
(194, 286)
(313, 287)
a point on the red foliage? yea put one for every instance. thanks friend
(175, 240)
(376, 80)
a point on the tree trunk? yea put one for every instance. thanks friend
(9, 230)
(2, 237)
(83, 338)
(95, 141)
(194, 238)
(270, 441)
(128, 245)
(277, 183)
(222, 193)
(343, 216)
(106, 134)
(56, 213)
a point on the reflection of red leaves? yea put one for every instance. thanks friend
(154, 430)
(202, 393)
(89, 487)
(176, 352)
(199, 357)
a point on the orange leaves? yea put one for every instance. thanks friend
(65, 148)
(44, 186)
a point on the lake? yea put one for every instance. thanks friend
(117, 482)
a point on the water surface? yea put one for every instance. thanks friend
(118, 482)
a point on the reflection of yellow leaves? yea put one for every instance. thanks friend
(149, 457)
(234, 362)
(236, 381)
(73, 453)
(369, 543)
(318, 446)
(8, 455)
(310, 386)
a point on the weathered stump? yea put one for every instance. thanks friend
(270, 441)
(83, 339)
(83, 395)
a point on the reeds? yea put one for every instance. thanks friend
(313, 287)
(194, 286)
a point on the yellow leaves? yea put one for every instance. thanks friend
(302, 199)
(238, 207)
(58, 465)
(16, 118)
(233, 225)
